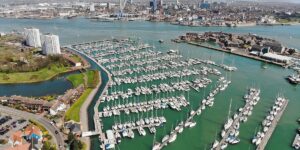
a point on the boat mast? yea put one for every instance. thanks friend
(229, 108)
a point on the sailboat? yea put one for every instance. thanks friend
(156, 145)
(230, 120)
(216, 143)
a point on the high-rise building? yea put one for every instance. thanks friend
(92, 7)
(161, 3)
(32, 36)
(50, 44)
(204, 5)
(153, 5)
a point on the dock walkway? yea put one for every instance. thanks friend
(267, 136)
(236, 120)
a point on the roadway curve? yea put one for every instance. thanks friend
(59, 140)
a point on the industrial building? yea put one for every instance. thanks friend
(50, 44)
(32, 36)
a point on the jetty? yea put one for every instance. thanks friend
(230, 132)
(270, 123)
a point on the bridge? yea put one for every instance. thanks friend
(90, 133)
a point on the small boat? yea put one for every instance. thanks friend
(172, 138)
(235, 141)
(165, 138)
(192, 124)
(156, 146)
(224, 145)
(215, 144)
(161, 41)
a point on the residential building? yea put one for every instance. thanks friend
(16, 138)
(50, 44)
(57, 107)
(33, 134)
(32, 36)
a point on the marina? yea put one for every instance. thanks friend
(133, 64)
(189, 123)
(230, 131)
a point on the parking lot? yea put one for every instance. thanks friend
(8, 125)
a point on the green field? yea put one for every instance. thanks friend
(76, 79)
(92, 77)
(74, 112)
(36, 76)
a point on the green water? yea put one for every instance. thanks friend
(250, 72)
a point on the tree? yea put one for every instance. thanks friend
(48, 146)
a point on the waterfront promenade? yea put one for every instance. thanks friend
(97, 119)
(84, 109)
(239, 54)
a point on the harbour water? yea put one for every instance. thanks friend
(249, 73)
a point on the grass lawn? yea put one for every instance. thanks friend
(76, 79)
(76, 58)
(92, 78)
(36, 76)
(73, 112)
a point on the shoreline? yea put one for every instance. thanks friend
(87, 103)
(70, 70)
(48, 79)
(238, 54)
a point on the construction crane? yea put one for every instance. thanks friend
(122, 6)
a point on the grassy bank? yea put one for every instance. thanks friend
(92, 79)
(73, 112)
(36, 76)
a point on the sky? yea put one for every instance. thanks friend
(12, 1)
(293, 1)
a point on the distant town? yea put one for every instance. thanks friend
(203, 13)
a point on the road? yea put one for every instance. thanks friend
(58, 138)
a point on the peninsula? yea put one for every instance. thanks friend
(20, 63)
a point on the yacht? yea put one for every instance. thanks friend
(215, 144)
(156, 146)
(193, 123)
(223, 146)
(172, 138)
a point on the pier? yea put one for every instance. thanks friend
(272, 127)
(230, 135)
